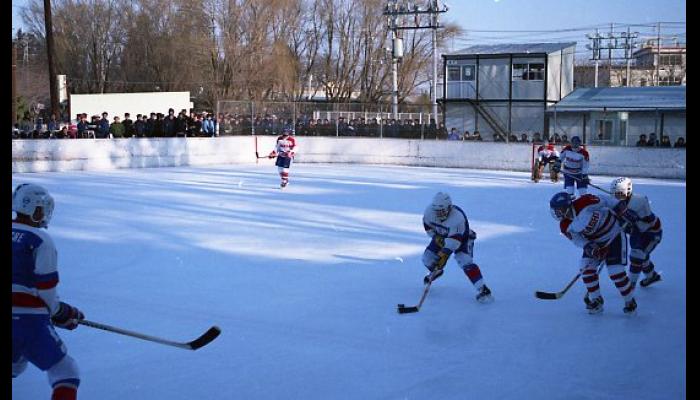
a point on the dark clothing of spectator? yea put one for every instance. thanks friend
(140, 128)
(103, 128)
(181, 126)
(129, 130)
(680, 142)
(665, 142)
(82, 127)
(150, 127)
(169, 126)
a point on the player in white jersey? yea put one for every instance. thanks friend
(644, 229)
(589, 222)
(35, 304)
(574, 167)
(448, 227)
(284, 151)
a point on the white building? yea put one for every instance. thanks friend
(505, 89)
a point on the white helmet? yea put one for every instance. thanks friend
(441, 205)
(621, 188)
(27, 197)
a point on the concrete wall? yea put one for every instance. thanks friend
(99, 154)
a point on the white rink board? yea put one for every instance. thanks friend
(100, 154)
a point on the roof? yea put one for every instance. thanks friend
(623, 98)
(512, 48)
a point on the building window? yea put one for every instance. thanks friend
(669, 81)
(605, 128)
(468, 72)
(528, 72)
(454, 73)
(671, 59)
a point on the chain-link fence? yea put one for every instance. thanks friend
(328, 119)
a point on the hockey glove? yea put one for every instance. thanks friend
(439, 240)
(585, 179)
(273, 154)
(67, 316)
(596, 251)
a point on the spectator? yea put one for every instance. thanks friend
(564, 139)
(208, 127)
(116, 130)
(25, 125)
(665, 141)
(653, 141)
(642, 142)
(680, 142)
(62, 133)
(53, 126)
(82, 125)
(523, 138)
(557, 138)
(512, 138)
(467, 135)
(128, 123)
(73, 131)
(140, 125)
(536, 138)
(151, 125)
(158, 125)
(477, 136)
(103, 126)
(497, 137)
(169, 124)
(453, 135)
(181, 125)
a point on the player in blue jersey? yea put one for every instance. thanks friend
(448, 227)
(36, 307)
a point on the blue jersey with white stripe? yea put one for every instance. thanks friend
(34, 271)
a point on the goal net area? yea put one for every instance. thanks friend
(543, 171)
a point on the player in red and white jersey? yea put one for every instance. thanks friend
(574, 166)
(547, 154)
(644, 229)
(591, 223)
(285, 148)
(36, 308)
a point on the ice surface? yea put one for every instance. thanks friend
(304, 283)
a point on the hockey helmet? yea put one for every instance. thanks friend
(575, 142)
(441, 205)
(621, 188)
(560, 205)
(28, 197)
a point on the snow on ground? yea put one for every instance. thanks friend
(304, 284)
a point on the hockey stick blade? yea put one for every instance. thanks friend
(205, 339)
(547, 295)
(402, 309)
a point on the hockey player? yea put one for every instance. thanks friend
(448, 227)
(574, 166)
(284, 151)
(644, 230)
(35, 304)
(547, 155)
(590, 223)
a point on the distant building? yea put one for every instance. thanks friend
(506, 88)
(618, 116)
(671, 71)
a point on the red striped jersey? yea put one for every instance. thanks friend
(34, 271)
(593, 220)
(286, 145)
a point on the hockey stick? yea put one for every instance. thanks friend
(589, 182)
(204, 339)
(557, 295)
(402, 309)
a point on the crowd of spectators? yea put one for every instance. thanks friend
(665, 141)
(205, 124)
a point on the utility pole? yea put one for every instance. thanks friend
(392, 11)
(658, 51)
(14, 83)
(614, 43)
(53, 88)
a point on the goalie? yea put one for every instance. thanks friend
(547, 155)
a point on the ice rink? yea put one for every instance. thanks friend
(304, 284)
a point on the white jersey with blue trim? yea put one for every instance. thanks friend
(454, 229)
(34, 271)
(574, 161)
(648, 221)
